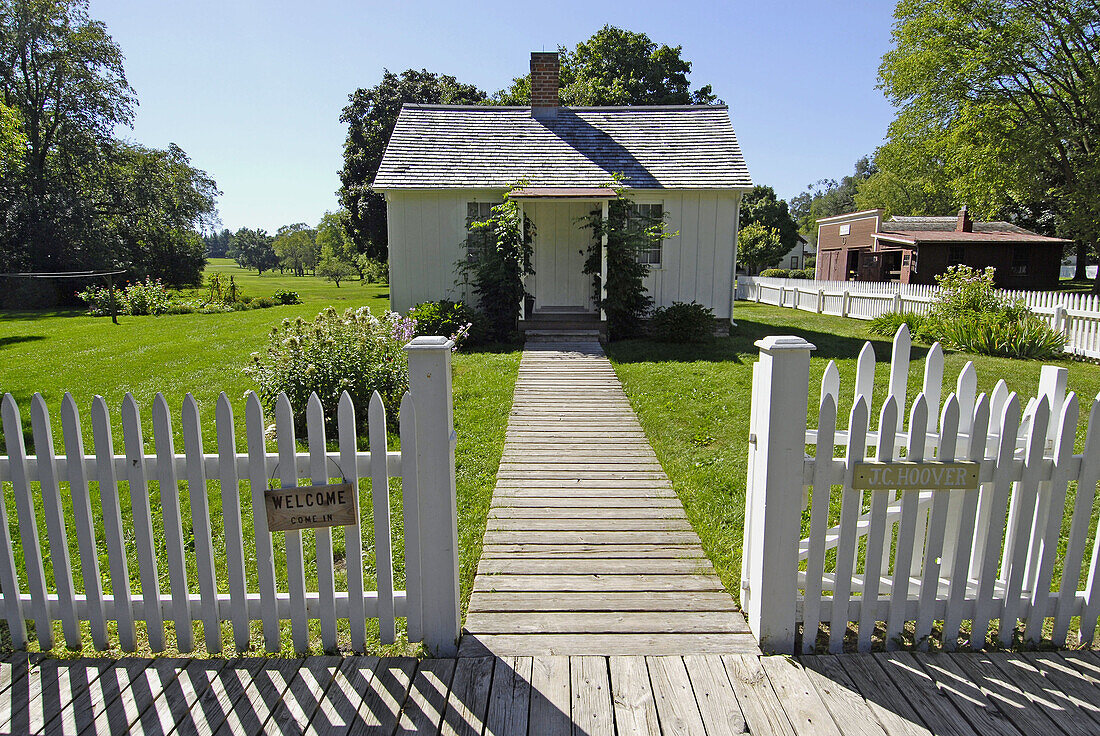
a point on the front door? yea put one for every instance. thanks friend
(561, 245)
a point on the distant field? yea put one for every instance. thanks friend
(64, 350)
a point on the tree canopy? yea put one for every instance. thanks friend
(618, 67)
(79, 197)
(253, 249)
(829, 197)
(762, 207)
(371, 114)
(999, 108)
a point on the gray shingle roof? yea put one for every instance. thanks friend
(928, 223)
(443, 146)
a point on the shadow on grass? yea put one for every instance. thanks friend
(15, 339)
(31, 315)
(741, 343)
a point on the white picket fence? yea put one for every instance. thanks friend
(907, 559)
(1077, 316)
(425, 464)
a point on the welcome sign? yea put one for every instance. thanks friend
(905, 475)
(310, 507)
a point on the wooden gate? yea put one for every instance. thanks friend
(910, 555)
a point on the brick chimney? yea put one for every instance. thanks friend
(964, 225)
(544, 83)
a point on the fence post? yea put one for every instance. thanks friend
(845, 303)
(782, 296)
(820, 301)
(771, 582)
(430, 387)
(897, 302)
(1060, 320)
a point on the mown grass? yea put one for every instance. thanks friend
(693, 402)
(204, 354)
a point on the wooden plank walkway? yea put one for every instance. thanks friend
(587, 549)
(901, 693)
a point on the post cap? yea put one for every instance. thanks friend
(784, 342)
(430, 342)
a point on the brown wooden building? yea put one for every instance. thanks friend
(863, 246)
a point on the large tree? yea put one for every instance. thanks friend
(253, 249)
(618, 67)
(371, 115)
(762, 207)
(999, 104)
(80, 198)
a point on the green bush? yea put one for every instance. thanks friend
(286, 296)
(262, 302)
(887, 324)
(682, 322)
(146, 297)
(1027, 337)
(807, 273)
(354, 352)
(776, 273)
(444, 317)
(969, 314)
(182, 308)
(373, 270)
(98, 299)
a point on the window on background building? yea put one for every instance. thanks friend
(1021, 259)
(956, 255)
(477, 239)
(794, 261)
(642, 216)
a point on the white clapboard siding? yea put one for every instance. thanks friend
(30, 594)
(1077, 316)
(912, 558)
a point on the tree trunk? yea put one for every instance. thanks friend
(1080, 273)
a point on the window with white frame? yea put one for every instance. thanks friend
(477, 239)
(642, 216)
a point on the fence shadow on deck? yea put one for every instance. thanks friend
(323, 694)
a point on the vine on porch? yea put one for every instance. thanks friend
(629, 232)
(499, 253)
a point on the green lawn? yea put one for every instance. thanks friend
(63, 350)
(693, 402)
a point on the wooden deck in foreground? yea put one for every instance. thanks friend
(587, 548)
(707, 695)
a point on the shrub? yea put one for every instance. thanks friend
(807, 273)
(797, 273)
(887, 324)
(444, 317)
(354, 352)
(98, 299)
(969, 314)
(215, 309)
(373, 270)
(286, 296)
(775, 273)
(262, 302)
(682, 322)
(146, 297)
(1027, 337)
(182, 308)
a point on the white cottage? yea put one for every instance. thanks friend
(445, 166)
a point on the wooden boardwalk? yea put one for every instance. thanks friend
(587, 549)
(1053, 694)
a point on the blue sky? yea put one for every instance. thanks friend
(253, 90)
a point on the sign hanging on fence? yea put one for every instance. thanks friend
(906, 475)
(310, 507)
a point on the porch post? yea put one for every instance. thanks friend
(603, 264)
(523, 275)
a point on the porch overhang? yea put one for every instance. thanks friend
(570, 193)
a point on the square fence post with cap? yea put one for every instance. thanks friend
(770, 584)
(430, 387)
